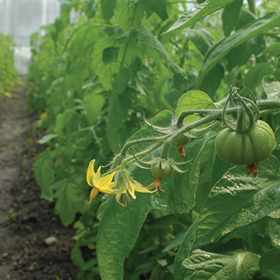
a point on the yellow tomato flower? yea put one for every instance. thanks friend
(127, 185)
(103, 184)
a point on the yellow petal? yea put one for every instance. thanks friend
(130, 188)
(94, 192)
(97, 174)
(106, 180)
(90, 173)
(108, 188)
(139, 187)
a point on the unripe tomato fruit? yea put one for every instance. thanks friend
(243, 148)
(181, 140)
(162, 168)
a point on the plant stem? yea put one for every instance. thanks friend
(144, 153)
(208, 118)
(142, 140)
(252, 6)
(201, 112)
(268, 104)
(262, 104)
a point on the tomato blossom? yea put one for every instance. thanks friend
(98, 183)
(126, 185)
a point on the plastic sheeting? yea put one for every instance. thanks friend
(21, 18)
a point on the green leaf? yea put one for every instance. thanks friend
(271, 87)
(146, 37)
(237, 200)
(240, 36)
(237, 56)
(45, 139)
(200, 177)
(191, 100)
(172, 96)
(245, 17)
(93, 105)
(80, 139)
(208, 265)
(121, 81)
(143, 268)
(107, 8)
(199, 12)
(67, 122)
(118, 232)
(272, 50)
(230, 16)
(252, 237)
(70, 199)
(128, 13)
(213, 80)
(118, 111)
(105, 72)
(269, 264)
(253, 77)
(157, 6)
(180, 191)
(276, 74)
(201, 38)
(275, 214)
(274, 232)
(165, 221)
(185, 249)
(43, 171)
(110, 55)
(176, 241)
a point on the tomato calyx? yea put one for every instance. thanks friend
(247, 115)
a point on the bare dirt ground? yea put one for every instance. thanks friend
(26, 219)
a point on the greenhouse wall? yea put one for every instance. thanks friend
(21, 18)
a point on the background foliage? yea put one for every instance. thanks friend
(96, 72)
(8, 74)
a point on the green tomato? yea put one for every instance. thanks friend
(244, 148)
(162, 168)
(181, 140)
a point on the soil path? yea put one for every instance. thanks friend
(33, 242)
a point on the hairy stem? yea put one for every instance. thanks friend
(208, 118)
(141, 140)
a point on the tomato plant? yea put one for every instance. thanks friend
(8, 74)
(94, 77)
